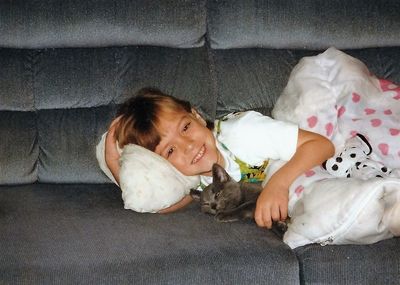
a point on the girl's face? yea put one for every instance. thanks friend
(187, 143)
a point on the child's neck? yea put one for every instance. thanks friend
(220, 161)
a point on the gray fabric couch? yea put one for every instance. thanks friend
(64, 68)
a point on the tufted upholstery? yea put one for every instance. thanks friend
(61, 101)
(60, 24)
(309, 24)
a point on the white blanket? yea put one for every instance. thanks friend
(335, 95)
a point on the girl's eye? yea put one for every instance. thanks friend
(186, 127)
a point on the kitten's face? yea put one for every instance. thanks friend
(223, 194)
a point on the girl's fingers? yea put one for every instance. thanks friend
(284, 212)
(114, 122)
(275, 213)
(259, 217)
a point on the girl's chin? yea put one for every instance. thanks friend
(205, 171)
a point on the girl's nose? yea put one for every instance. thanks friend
(188, 145)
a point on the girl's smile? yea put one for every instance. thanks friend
(199, 155)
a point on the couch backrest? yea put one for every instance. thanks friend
(256, 43)
(306, 24)
(100, 23)
(56, 102)
(66, 65)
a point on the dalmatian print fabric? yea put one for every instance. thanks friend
(335, 95)
(355, 161)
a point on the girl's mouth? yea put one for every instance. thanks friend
(199, 155)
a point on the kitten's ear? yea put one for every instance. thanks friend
(219, 174)
(195, 194)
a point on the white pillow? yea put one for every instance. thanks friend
(149, 183)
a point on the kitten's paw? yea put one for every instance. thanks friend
(281, 226)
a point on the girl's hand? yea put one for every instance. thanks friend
(111, 151)
(272, 206)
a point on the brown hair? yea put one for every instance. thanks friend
(139, 117)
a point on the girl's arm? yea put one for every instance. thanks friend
(272, 204)
(111, 152)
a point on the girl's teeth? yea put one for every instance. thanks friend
(199, 155)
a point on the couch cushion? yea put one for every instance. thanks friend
(16, 80)
(83, 78)
(18, 134)
(67, 140)
(57, 23)
(351, 264)
(80, 234)
(64, 100)
(303, 24)
(254, 78)
(87, 84)
(75, 78)
(18, 147)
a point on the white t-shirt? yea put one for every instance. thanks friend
(253, 138)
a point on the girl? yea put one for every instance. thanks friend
(242, 143)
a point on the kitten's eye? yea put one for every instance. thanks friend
(186, 127)
(217, 194)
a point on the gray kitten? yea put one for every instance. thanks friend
(229, 200)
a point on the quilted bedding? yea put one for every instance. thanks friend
(335, 95)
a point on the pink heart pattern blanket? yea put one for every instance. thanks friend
(335, 95)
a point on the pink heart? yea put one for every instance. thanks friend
(369, 111)
(387, 112)
(329, 129)
(353, 133)
(356, 98)
(384, 148)
(309, 173)
(341, 111)
(385, 84)
(299, 190)
(394, 132)
(376, 122)
(312, 121)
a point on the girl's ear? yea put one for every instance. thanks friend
(199, 117)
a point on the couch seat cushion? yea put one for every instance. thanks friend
(351, 264)
(80, 234)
